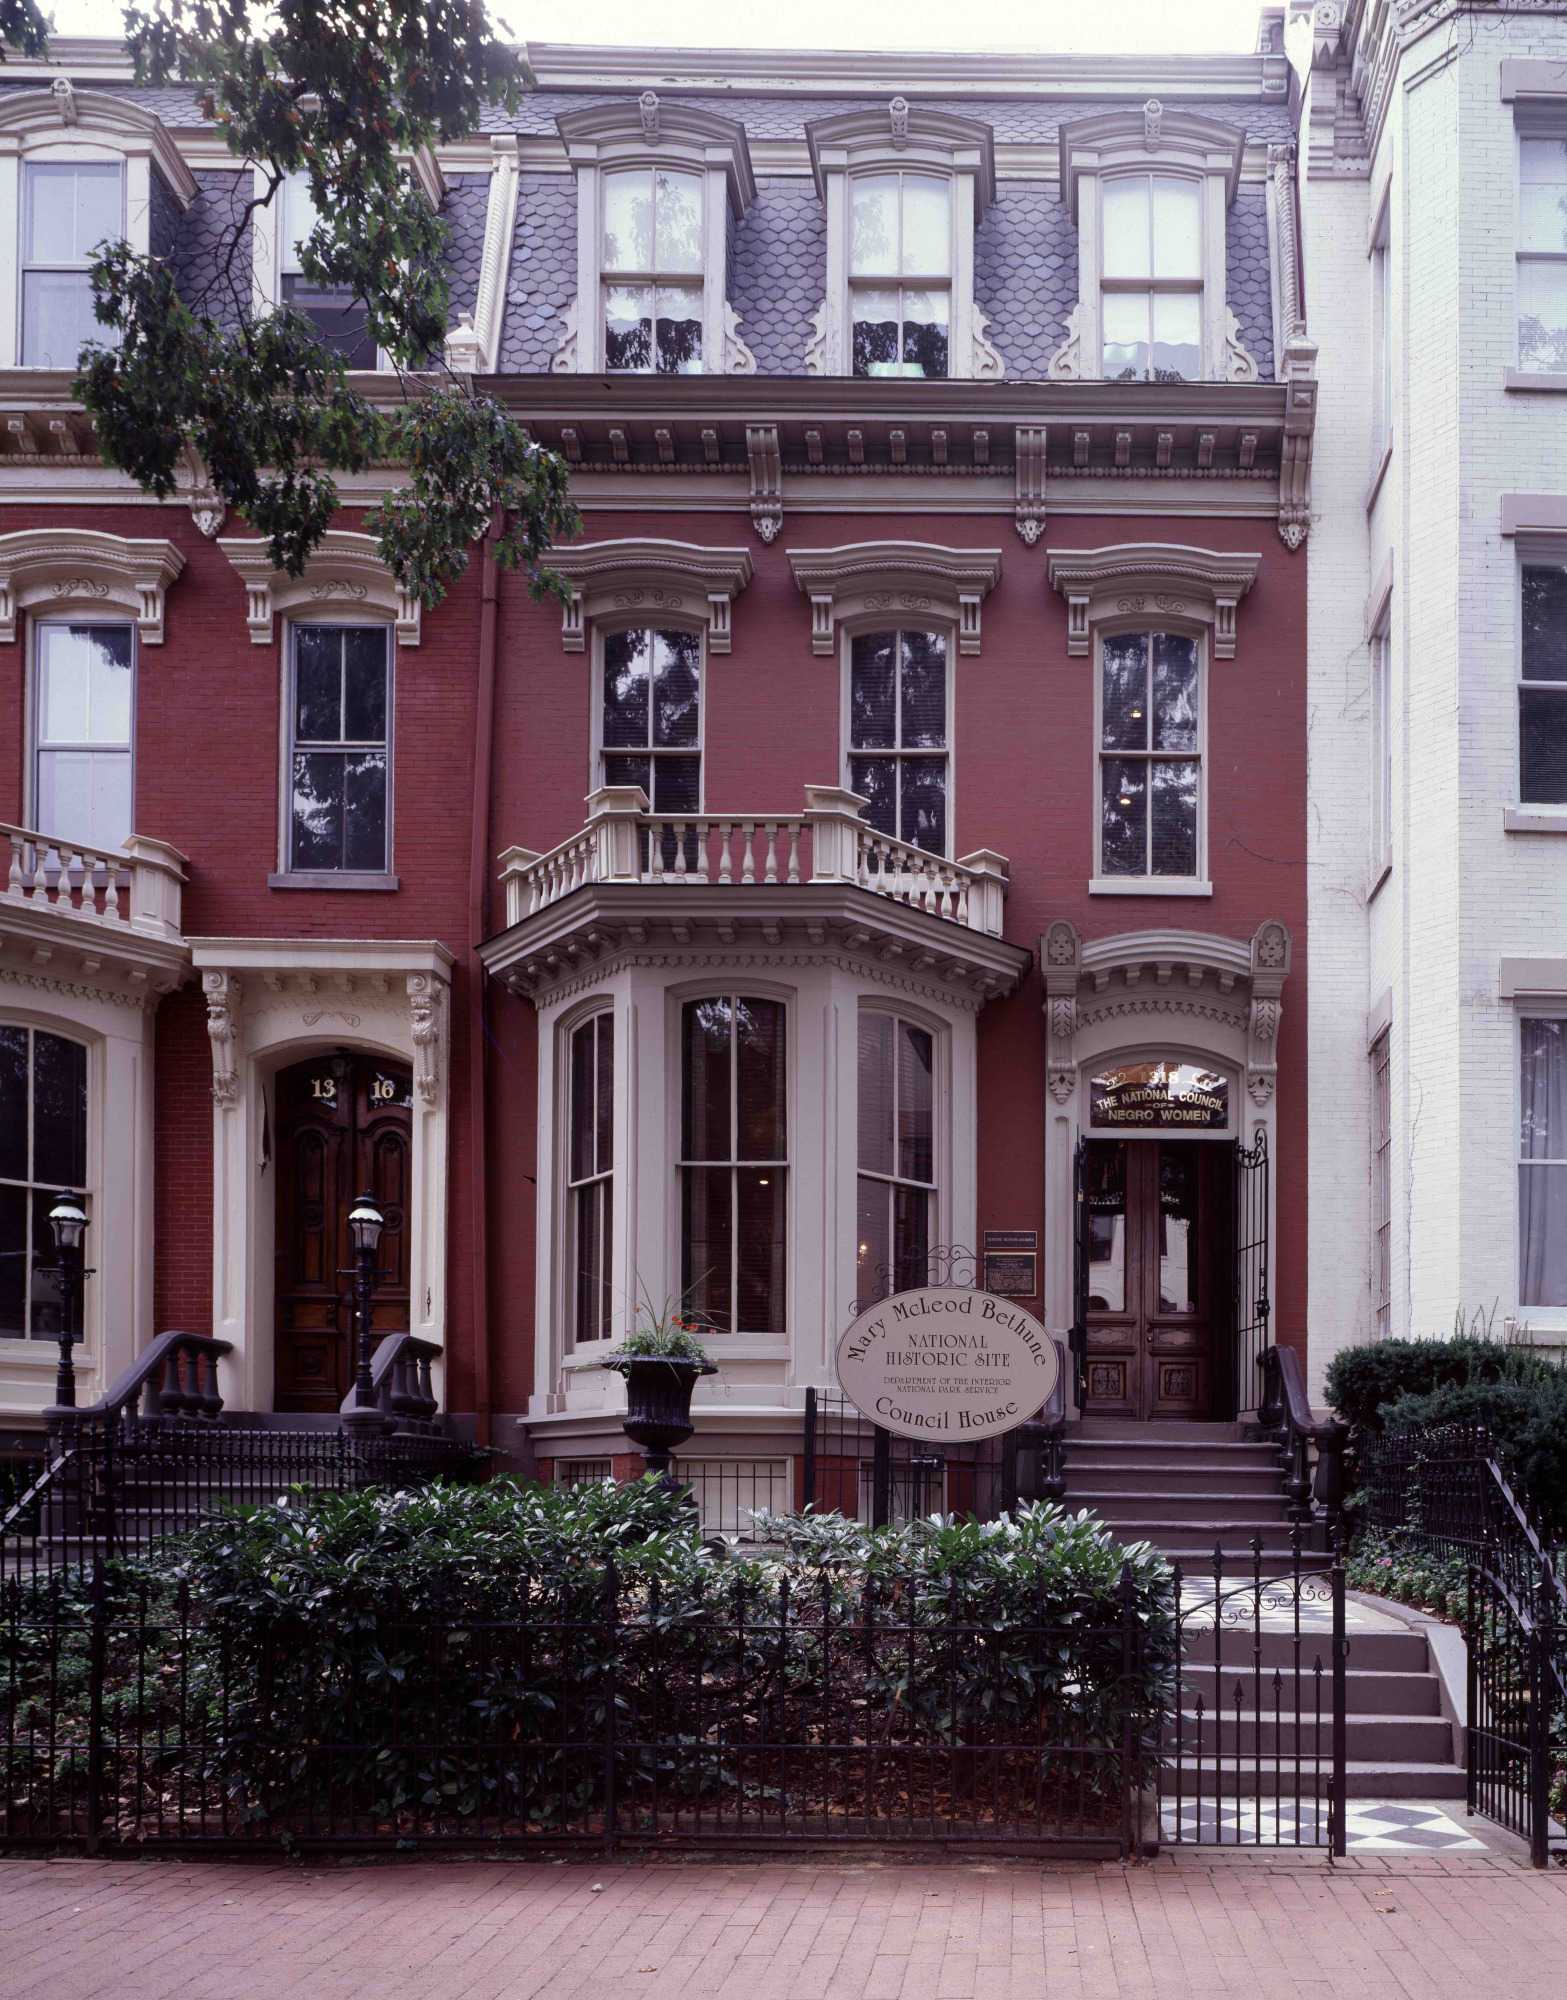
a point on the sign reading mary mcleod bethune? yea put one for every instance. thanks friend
(947, 1364)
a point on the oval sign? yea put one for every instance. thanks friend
(947, 1364)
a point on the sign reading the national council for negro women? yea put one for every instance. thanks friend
(947, 1365)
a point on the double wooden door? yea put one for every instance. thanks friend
(1152, 1260)
(344, 1124)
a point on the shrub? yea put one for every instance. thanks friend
(1362, 1382)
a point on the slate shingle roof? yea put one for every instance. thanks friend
(543, 276)
(463, 212)
(778, 274)
(1249, 282)
(205, 233)
(1025, 275)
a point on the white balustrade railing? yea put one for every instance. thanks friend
(136, 887)
(624, 841)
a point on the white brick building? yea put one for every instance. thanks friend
(1438, 853)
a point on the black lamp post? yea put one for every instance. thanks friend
(365, 1223)
(68, 1224)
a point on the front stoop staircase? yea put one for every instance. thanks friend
(1192, 1488)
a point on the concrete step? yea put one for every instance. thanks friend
(1369, 1652)
(1390, 1739)
(1194, 1541)
(1206, 1506)
(1093, 1472)
(1136, 1430)
(1365, 1693)
(1365, 1778)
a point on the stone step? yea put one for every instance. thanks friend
(1366, 1692)
(1365, 1778)
(1369, 1652)
(1092, 1472)
(1135, 1430)
(1391, 1739)
(1166, 1506)
(1193, 1542)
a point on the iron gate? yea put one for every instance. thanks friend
(1252, 1305)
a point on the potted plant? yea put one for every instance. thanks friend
(660, 1360)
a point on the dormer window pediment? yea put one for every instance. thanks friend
(657, 184)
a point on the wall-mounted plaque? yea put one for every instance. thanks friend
(1159, 1097)
(1011, 1239)
(1012, 1274)
(947, 1364)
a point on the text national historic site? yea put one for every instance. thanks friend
(943, 1362)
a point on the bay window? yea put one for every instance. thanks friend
(340, 714)
(82, 732)
(652, 265)
(900, 274)
(590, 1179)
(1542, 690)
(898, 689)
(733, 1164)
(1542, 255)
(69, 207)
(43, 1149)
(896, 1199)
(651, 716)
(1150, 755)
(1542, 1161)
(1152, 266)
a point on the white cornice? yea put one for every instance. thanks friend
(648, 572)
(333, 958)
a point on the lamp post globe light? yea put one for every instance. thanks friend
(365, 1223)
(68, 1225)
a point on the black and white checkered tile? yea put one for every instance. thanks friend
(1393, 1826)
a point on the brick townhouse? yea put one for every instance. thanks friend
(897, 847)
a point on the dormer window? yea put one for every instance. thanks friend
(900, 274)
(338, 317)
(658, 185)
(652, 272)
(903, 188)
(1150, 191)
(1153, 279)
(68, 208)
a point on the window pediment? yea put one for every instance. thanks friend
(664, 134)
(345, 573)
(1151, 580)
(644, 576)
(898, 580)
(89, 121)
(86, 569)
(901, 134)
(1154, 139)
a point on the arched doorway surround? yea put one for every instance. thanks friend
(1163, 996)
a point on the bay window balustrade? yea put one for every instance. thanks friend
(135, 886)
(626, 842)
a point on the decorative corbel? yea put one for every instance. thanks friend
(1153, 118)
(63, 91)
(1060, 959)
(898, 112)
(1238, 364)
(564, 360)
(766, 464)
(1300, 420)
(224, 994)
(1270, 963)
(988, 364)
(647, 107)
(425, 1032)
(819, 348)
(1066, 364)
(738, 358)
(1029, 451)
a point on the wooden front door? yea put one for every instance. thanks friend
(1153, 1301)
(343, 1125)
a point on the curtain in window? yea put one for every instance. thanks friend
(1542, 1172)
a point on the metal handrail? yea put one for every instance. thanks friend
(1286, 1410)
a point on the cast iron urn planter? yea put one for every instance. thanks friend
(658, 1403)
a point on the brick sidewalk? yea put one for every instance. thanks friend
(1479, 1928)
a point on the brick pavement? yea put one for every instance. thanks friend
(1412, 1926)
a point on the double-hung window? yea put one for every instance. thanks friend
(1382, 1178)
(896, 1204)
(652, 265)
(651, 719)
(69, 207)
(1150, 755)
(1381, 753)
(734, 1162)
(590, 1180)
(1542, 256)
(1152, 277)
(900, 273)
(898, 733)
(338, 317)
(1542, 689)
(43, 1149)
(83, 700)
(1382, 341)
(1542, 1161)
(339, 753)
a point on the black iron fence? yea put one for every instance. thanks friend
(854, 1467)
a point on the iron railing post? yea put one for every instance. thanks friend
(1338, 1828)
(1540, 1724)
(808, 1468)
(881, 1479)
(1131, 1785)
(1471, 1690)
(97, 1673)
(610, 1632)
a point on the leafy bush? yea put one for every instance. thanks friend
(1363, 1382)
(487, 1658)
(1385, 1565)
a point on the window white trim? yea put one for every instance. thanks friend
(1152, 582)
(1173, 145)
(900, 137)
(63, 124)
(1197, 883)
(645, 132)
(287, 876)
(1380, 252)
(1540, 117)
(71, 570)
(602, 1009)
(1530, 1006)
(895, 583)
(636, 621)
(345, 575)
(942, 1133)
(894, 621)
(1538, 549)
(642, 579)
(33, 711)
